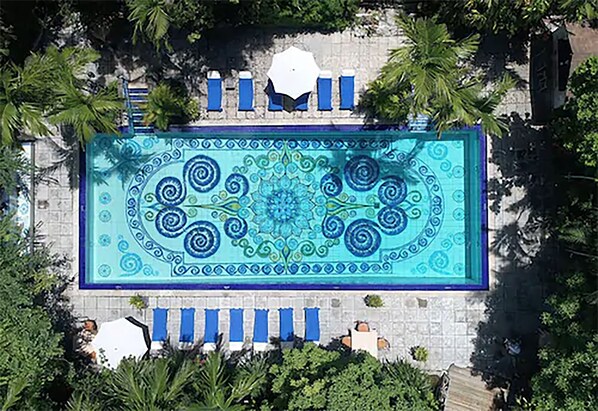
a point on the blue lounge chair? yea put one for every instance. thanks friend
(214, 91)
(159, 332)
(260, 330)
(274, 99)
(245, 91)
(325, 91)
(287, 334)
(236, 335)
(211, 338)
(301, 102)
(187, 333)
(347, 89)
(312, 325)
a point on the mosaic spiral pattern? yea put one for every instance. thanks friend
(393, 191)
(170, 191)
(202, 240)
(392, 221)
(237, 184)
(331, 185)
(131, 263)
(171, 222)
(235, 228)
(202, 172)
(333, 227)
(361, 238)
(361, 173)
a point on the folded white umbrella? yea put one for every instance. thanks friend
(120, 339)
(293, 72)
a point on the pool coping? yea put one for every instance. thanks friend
(482, 286)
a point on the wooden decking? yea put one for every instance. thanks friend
(467, 392)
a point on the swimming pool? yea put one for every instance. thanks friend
(284, 208)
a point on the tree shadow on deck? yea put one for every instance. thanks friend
(523, 255)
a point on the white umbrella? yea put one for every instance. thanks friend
(120, 339)
(293, 72)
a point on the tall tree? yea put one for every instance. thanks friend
(430, 75)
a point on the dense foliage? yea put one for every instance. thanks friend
(310, 378)
(51, 87)
(577, 126)
(510, 17)
(429, 75)
(31, 350)
(156, 20)
(166, 105)
(568, 378)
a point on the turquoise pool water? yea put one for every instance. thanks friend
(290, 208)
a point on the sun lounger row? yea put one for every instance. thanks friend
(261, 336)
(275, 101)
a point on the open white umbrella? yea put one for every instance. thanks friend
(293, 72)
(120, 339)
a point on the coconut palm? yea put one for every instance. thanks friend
(20, 107)
(151, 20)
(88, 113)
(434, 67)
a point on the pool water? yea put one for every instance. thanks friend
(287, 208)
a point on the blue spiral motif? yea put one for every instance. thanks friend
(393, 191)
(333, 227)
(331, 185)
(235, 228)
(438, 261)
(437, 151)
(104, 270)
(105, 216)
(131, 263)
(170, 191)
(361, 173)
(203, 173)
(361, 238)
(392, 221)
(237, 184)
(202, 240)
(170, 222)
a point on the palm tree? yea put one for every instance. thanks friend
(151, 385)
(20, 107)
(151, 20)
(87, 113)
(223, 391)
(163, 105)
(432, 65)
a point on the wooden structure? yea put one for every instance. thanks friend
(467, 392)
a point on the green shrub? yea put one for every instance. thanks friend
(321, 14)
(167, 105)
(419, 353)
(138, 302)
(373, 300)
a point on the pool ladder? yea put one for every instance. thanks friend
(136, 101)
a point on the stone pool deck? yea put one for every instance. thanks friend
(447, 323)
